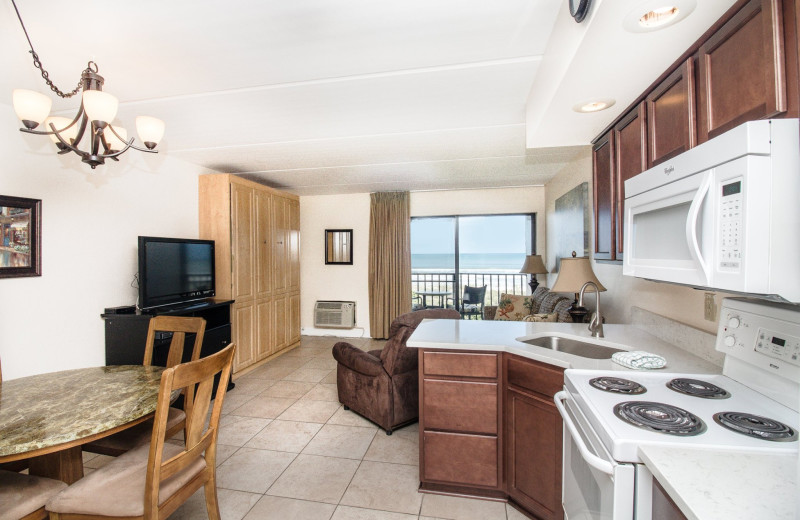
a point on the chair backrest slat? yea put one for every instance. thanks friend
(179, 326)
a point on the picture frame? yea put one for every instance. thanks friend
(20, 237)
(339, 247)
(572, 220)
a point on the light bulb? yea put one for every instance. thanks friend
(114, 142)
(61, 123)
(100, 106)
(31, 107)
(150, 129)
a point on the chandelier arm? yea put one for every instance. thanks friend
(67, 146)
(39, 132)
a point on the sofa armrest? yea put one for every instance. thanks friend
(357, 360)
(489, 311)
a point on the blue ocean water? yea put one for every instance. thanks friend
(482, 262)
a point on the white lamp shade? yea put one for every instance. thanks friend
(61, 123)
(150, 129)
(31, 106)
(100, 106)
(114, 142)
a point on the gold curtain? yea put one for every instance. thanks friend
(389, 260)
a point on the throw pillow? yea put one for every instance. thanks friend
(550, 318)
(512, 307)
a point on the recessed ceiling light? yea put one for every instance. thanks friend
(654, 15)
(596, 105)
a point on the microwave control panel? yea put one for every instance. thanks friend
(731, 232)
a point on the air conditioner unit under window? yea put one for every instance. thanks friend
(335, 314)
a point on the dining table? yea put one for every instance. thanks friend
(442, 295)
(47, 417)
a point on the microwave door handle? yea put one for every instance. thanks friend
(691, 223)
(590, 458)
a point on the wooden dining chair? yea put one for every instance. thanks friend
(22, 497)
(153, 480)
(128, 439)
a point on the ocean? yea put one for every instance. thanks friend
(480, 262)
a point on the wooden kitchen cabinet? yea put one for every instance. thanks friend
(741, 70)
(533, 436)
(257, 256)
(671, 128)
(630, 156)
(603, 182)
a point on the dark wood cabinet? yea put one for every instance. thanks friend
(533, 437)
(630, 154)
(603, 182)
(741, 70)
(663, 506)
(670, 105)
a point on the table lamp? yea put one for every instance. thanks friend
(575, 272)
(533, 265)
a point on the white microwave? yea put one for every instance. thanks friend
(724, 215)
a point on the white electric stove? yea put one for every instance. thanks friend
(751, 407)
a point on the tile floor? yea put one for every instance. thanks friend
(287, 449)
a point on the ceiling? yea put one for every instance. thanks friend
(321, 97)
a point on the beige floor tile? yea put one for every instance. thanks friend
(513, 514)
(402, 447)
(233, 505)
(457, 508)
(322, 363)
(309, 411)
(388, 487)
(224, 451)
(98, 462)
(273, 371)
(88, 455)
(284, 436)
(309, 375)
(270, 508)
(357, 513)
(253, 470)
(236, 430)
(347, 442)
(234, 400)
(330, 378)
(252, 385)
(264, 406)
(323, 392)
(350, 418)
(310, 477)
(303, 352)
(292, 389)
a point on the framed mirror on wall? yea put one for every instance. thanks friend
(339, 246)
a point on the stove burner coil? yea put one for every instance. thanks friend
(617, 385)
(698, 388)
(660, 418)
(755, 426)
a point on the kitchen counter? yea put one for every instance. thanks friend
(716, 485)
(502, 336)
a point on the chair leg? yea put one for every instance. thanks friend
(212, 505)
(346, 407)
(389, 432)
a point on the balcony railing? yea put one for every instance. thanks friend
(496, 284)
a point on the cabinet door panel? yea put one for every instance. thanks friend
(534, 445)
(294, 318)
(603, 188)
(741, 70)
(464, 406)
(263, 243)
(460, 459)
(630, 147)
(264, 340)
(459, 364)
(280, 239)
(536, 377)
(280, 326)
(294, 245)
(671, 115)
(244, 334)
(242, 213)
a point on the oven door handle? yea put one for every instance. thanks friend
(592, 459)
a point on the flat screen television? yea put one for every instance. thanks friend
(174, 271)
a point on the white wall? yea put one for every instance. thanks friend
(679, 303)
(344, 282)
(90, 223)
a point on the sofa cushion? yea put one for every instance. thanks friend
(512, 307)
(551, 317)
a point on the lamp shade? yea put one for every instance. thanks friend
(61, 123)
(114, 142)
(533, 265)
(575, 272)
(31, 107)
(150, 129)
(100, 106)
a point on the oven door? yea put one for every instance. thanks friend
(594, 486)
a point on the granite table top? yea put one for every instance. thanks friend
(39, 413)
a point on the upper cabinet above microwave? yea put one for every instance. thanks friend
(736, 73)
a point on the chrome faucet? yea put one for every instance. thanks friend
(596, 321)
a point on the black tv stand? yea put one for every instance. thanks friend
(126, 333)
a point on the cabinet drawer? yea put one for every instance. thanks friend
(460, 459)
(459, 364)
(533, 376)
(463, 406)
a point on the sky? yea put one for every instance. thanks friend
(481, 234)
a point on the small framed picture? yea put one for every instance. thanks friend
(20, 237)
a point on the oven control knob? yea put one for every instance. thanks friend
(733, 322)
(729, 341)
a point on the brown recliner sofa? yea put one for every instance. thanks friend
(383, 385)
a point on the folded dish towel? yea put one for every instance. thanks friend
(639, 360)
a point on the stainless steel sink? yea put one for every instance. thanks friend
(574, 347)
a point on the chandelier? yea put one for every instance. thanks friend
(93, 120)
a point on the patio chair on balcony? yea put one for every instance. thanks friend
(471, 302)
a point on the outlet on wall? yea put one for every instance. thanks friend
(710, 307)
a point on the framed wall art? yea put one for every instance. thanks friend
(20, 237)
(339, 246)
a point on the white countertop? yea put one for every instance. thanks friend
(501, 336)
(721, 485)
